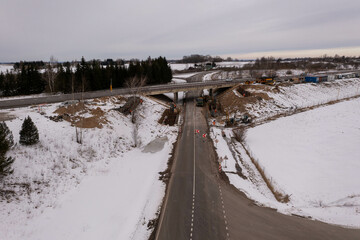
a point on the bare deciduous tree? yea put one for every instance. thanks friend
(51, 73)
(134, 84)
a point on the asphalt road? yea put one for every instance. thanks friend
(200, 205)
(193, 205)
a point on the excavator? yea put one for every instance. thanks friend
(231, 121)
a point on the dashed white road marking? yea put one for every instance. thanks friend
(193, 200)
(224, 213)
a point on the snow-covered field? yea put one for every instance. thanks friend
(6, 67)
(313, 156)
(105, 188)
(180, 66)
(232, 64)
(297, 96)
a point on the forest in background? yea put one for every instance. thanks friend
(38, 77)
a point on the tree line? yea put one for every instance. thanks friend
(35, 77)
(311, 64)
(197, 58)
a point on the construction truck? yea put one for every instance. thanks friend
(200, 102)
(266, 80)
(249, 82)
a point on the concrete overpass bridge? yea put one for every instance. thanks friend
(146, 90)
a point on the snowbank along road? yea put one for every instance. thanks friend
(200, 205)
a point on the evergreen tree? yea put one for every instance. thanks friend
(6, 142)
(10, 84)
(6, 138)
(28, 134)
(2, 80)
(5, 165)
(35, 80)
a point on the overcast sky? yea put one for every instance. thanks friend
(69, 29)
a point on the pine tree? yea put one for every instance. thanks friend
(5, 165)
(6, 142)
(6, 138)
(28, 134)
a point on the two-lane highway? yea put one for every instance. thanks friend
(200, 205)
(193, 208)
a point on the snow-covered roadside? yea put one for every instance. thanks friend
(298, 96)
(232, 154)
(208, 77)
(102, 189)
(178, 81)
(27, 96)
(184, 75)
(312, 156)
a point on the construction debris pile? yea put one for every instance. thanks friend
(170, 116)
(243, 92)
(130, 105)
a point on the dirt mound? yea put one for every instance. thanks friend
(71, 109)
(97, 112)
(74, 114)
(90, 122)
(232, 102)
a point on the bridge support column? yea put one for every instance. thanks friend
(210, 92)
(176, 97)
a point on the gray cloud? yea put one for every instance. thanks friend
(124, 29)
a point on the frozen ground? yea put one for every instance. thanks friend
(312, 156)
(184, 75)
(6, 67)
(208, 77)
(181, 66)
(232, 64)
(282, 73)
(104, 188)
(298, 96)
(178, 80)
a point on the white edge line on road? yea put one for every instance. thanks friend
(193, 202)
(163, 207)
(194, 152)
